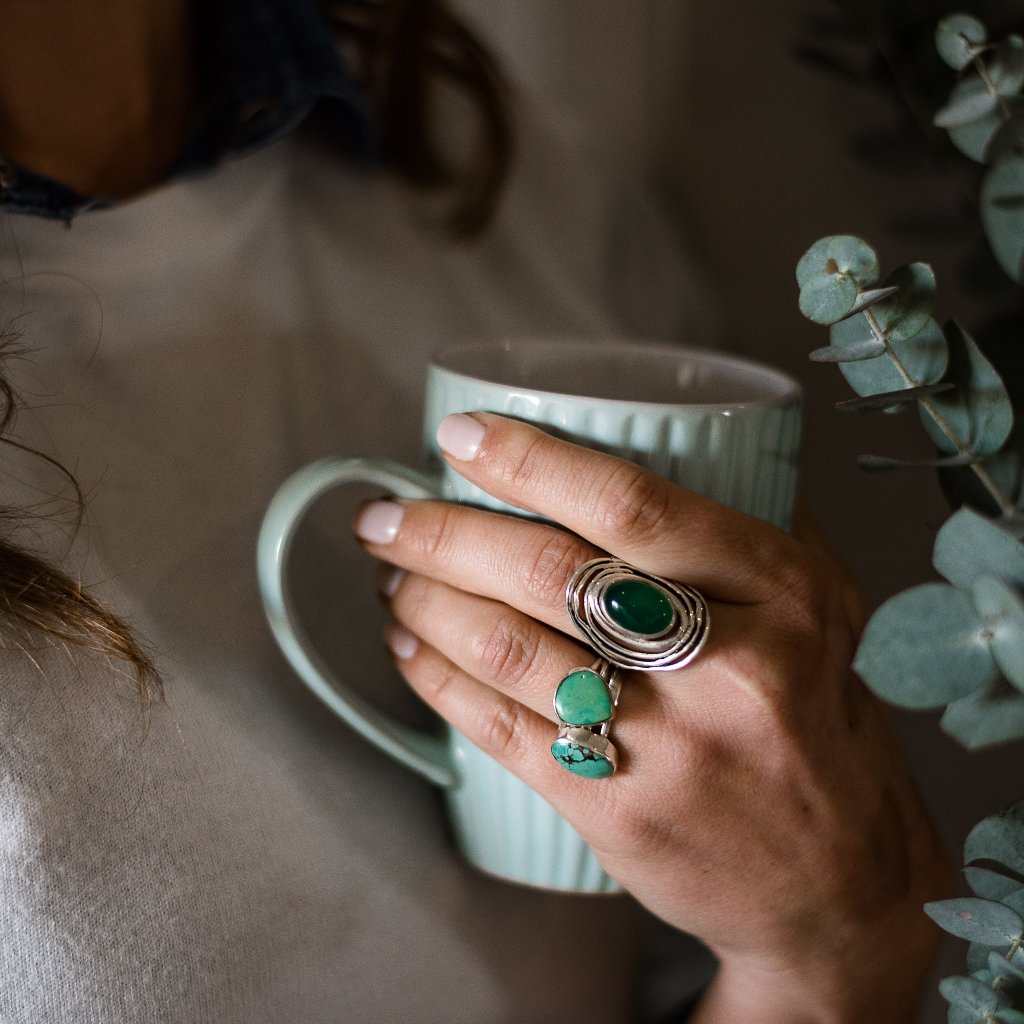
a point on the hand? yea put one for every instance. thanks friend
(761, 803)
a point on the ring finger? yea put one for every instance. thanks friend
(488, 640)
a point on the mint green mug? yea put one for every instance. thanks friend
(725, 427)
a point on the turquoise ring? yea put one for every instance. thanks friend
(585, 702)
(634, 619)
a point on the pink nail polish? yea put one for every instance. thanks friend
(389, 579)
(403, 643)
(378, 522)
(460, 436)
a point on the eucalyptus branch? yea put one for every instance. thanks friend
(999, 496)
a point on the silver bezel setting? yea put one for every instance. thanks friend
(673, 648)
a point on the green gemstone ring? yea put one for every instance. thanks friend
(585, 702)
(635, 619)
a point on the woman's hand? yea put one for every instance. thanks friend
(760, 801)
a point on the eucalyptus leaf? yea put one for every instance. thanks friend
(974, 140)
(1009, 139)
(969, 101)
(1001, 608)
(892, 400)
(990, 885)
(977, 956)
(924, 648)
(977, 920)
(958, 38)
(839, 254)
(867, 349)
(991, 716)
(978, 411)
(828, 298)
(1006, 69)
(999, 838)
(868, 298)
(1005, 469)
(971, 994)
(1003, 968)
(1003, 215)
(910, 308)
(923, 356)
(969, 545)
(1010, 1015)
(961, 1015)
(883, 463)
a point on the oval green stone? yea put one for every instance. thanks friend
(582, 698)
(581, 761)
(639, 606)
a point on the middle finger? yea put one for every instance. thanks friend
(524, 564)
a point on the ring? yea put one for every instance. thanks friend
(585, 702)
(635, 619)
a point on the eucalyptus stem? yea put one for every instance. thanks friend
(983, 73)
(1005, 503)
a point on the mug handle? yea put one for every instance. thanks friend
(423, 753)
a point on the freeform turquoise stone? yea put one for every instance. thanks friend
(582, 698)
(639, 606)
(582, 761)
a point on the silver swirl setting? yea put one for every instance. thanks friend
(635, 619)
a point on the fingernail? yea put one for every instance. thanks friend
(403, 644)
(389, 578)
(460, 435)
(378, 522)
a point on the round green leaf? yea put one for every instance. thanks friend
(970, 545)
(990, 885)
(866, 349)
(924, 648)
(1002, 212)
(969, 101)
(1001, 608)
(1007, 67)
(958, 38)
(977, 920)
(908, 311)
(923, 356)
(1009, 139)
(993, 715)
(839, 254)
(978, 410)
(999, 838)
(827, 298)
(971, 994)
(961, 1015)
(975, 138)
(1009, 1015)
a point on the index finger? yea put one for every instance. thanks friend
(620, 506)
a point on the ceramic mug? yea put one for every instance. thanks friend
(725, 427)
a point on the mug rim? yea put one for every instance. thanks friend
(788, 388)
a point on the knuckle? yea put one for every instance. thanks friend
(520, 467)
(507, 653)
(501, 733)
(633, 503)
(546, 573)
(437, 543)
(434, 680)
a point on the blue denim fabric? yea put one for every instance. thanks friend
(265, 66)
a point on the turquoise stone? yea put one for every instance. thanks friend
(582, 761)
(582, 699)
(639, 606)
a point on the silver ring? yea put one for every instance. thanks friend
(585, 702)
(635, 619)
